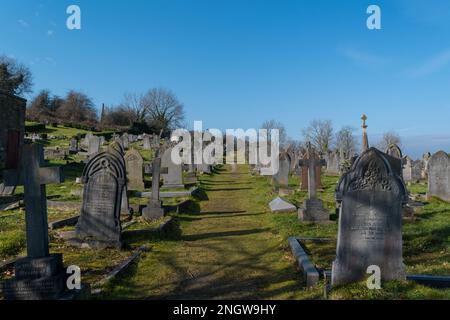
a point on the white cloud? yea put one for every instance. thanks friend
(431, 65)
(50, 33)
(363, 58)
(23, 23)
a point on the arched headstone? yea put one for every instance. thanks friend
(439, 176)
(371, 195)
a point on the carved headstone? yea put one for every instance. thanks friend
(370, 221)
(134, 165)
(439, 176)
(280, 180)
(104, 180)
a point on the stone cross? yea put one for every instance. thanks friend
(34, 177)
(365, 140)
(311, 161)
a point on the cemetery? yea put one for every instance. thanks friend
(112, 188)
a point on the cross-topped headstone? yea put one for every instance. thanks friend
(365, 139)
(34, 177)
(154, 209)
(313, 208)
(311, 161)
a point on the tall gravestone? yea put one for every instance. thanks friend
(303, 170)
(371, 197)
(73, 147)
(154, 209)
(93, 145)
(147, 142)
(125, 141)
(40, 275)
(426, 159)
(333, 163)
(134, 165)
(104, 180)
(280, 180)
(313, 210)
(439, 176)
(174, 176)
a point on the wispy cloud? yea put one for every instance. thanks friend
(23, 23)
(50, 33)
(363, 58)
(432, 64)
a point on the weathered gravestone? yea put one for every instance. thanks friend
(174, 176)
(439, 176)
(313, 210)
(303, 169)
(125, 141)
(412, 170)
(280, 180)
(154, 210)
(116, 147)
(73, 147)
(104, 179)
(333, 163)
(147, 142)
(370, 221)
(93, 145)
(134, 165)
(40, 275)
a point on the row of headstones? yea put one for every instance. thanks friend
(41, 275)
(371, 196)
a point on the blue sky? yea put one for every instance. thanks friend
(235, 64)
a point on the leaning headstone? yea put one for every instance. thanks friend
(370, 221)
(104, 180)
(313, 210)
(278, 205)
(439, 176)
(174, 176)
(134, 165)
(40, 275)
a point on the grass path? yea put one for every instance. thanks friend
(227, 251)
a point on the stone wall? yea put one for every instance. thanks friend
(12, 118)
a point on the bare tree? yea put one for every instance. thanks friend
(77, 108)
(118, 117)
(163, 110)
(346, 141)
(273, 124)
(389, 138)
(15, 78)
(320, 134)
(135, 105)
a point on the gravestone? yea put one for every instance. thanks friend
(279, 205)
(174, 176)
(125, 141)
(371, 195)
(412, 170)
(134, 165)
(93, 145)
(147, 143)
(154, 210)
(280, 180)
(313, 210)
(303, 170)
(439, 176)
(426, 159)
(40, 275)
(87, 137)
(73, 147)
(333, 163)
(104, 179)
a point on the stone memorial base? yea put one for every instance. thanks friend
(37, 279)
(172, 186)
(74, 240)
(313, 211)
(153, 211)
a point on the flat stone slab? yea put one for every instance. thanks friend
(306, 266)
(68, 222)
(278, 205)
(168, 194)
